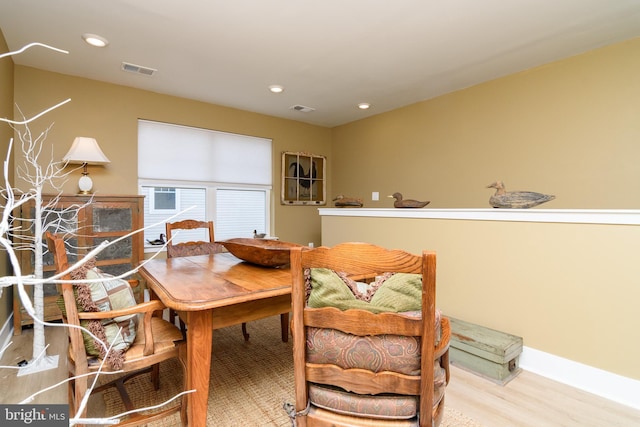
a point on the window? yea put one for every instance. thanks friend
(192, 198)
(164, 200)
(209, 175)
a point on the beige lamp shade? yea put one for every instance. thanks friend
(85, 151)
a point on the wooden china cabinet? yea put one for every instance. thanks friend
(94, 219)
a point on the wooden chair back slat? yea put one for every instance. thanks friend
(362, 381)
(362, 322)
(59, 251)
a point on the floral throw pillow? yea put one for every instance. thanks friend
(105, 293)
(391, 292)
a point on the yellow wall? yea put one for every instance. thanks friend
(569, 128)
(570, 290)
(110, 112)
(6, 111)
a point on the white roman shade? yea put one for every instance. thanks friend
(173, 152)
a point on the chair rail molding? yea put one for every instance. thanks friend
(575, 216)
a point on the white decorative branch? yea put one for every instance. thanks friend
(25, 122)
(30, 45)
(38, 176)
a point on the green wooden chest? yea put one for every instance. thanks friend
(489, 353)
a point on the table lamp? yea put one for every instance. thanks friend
(85, 151)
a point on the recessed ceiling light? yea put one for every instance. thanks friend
(276, 88)
(95, 40)
(364, 105)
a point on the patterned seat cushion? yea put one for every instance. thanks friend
(380, 406)
(193, 248)
(397, 353)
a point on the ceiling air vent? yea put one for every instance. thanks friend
(302, 108)
(138, 69)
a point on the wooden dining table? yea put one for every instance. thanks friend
(211, 292)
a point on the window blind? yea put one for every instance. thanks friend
(174, 152)
(239, 212)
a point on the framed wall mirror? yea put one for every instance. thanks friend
(303, 179)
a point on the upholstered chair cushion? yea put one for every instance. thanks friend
(380, 406)
(377, 353)
(193, 248)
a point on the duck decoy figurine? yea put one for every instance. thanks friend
(407, 203)
(257, 235)
(159, 241)
(343, 202)
(516, 199)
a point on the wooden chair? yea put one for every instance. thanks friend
(351, 389)
(175, 250)
(202, 248)
(156, 341)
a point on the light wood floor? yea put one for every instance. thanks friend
(528, 400)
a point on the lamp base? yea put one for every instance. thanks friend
(85, 184)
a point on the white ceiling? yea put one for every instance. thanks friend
(328, 54)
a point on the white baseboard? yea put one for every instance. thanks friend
(617, 388)
(6, 334)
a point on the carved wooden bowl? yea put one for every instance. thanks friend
(264, 252)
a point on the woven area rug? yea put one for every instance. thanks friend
(250, 381)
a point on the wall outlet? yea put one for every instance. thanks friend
(375, 196)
